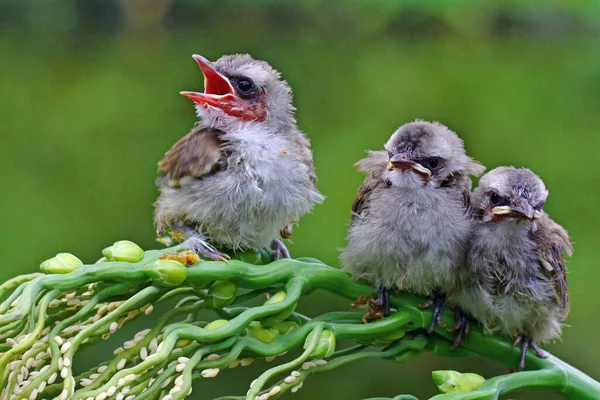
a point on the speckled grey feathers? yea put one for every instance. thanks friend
(406, 233)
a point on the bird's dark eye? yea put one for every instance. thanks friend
(430, 163)
(495, 198)
(539, 206)
(245, 85)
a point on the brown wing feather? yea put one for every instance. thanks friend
(374, 165)
(552, 242)
(195, 155)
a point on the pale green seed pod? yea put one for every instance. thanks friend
(166, 272)
(220, 294)
(325, 345)
(62, 263)
(279, 317)
(124, 250)
(215, 324)
(449, 381)
(257, 331)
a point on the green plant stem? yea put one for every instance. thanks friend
(180, 338)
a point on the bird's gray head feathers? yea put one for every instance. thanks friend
(431, 150)
(509, 193)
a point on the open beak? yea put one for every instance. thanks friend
(520, 209)
(405, 163)
(219, 93)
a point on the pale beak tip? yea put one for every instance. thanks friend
(200, 59)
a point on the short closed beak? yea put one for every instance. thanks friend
(519, 208)
(219, 93)
(404, 162)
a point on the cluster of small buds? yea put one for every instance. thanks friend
(272, 392)
(311, 364)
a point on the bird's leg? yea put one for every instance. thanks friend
(437, 301)
(379, 307)
(527, 342)
(384, 300)
(197, 243)
(279, 250)
(462, 327)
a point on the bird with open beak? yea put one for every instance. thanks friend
(515, 277)
(244, 174)
(410, 223)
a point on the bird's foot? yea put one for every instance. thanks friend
(195, 242)
(379, 307)
(279, 250)
(437, 301)
(527, 342)
(462, 327)
(202, 248)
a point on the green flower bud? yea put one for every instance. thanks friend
(102, 260)
(107, 252)
(220, 294)
(124, 250)
(286, 327)
(62, 263)
(282, 316)
(455, 382)
(166, 272)
(257, 331)
(325, 345)
(215, 324)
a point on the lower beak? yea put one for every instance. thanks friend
(219, 93)
(403, 162)
(520, 209)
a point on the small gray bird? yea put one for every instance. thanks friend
(410, 224)
(244, 175)
(515, 281)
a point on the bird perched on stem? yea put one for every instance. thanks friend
(244, 174)
(410, 223)
(515, 281)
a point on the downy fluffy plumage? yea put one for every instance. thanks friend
(515, 280)
(245, 173)
(410, 223)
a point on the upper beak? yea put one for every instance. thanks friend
(404, 162)
(217, 89)
(520, 208)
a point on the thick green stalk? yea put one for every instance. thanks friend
(46, 320)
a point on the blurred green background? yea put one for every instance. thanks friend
(90, 102)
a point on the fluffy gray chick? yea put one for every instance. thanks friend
(515, 280)
(410, 222)
(244, 175)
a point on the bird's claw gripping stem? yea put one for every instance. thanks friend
(279, 250)
(462, 327)
(527, 342)
(437, 301)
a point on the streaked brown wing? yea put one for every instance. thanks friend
(195, 155)
(552, 242)
(361, 201)
(374, 165)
